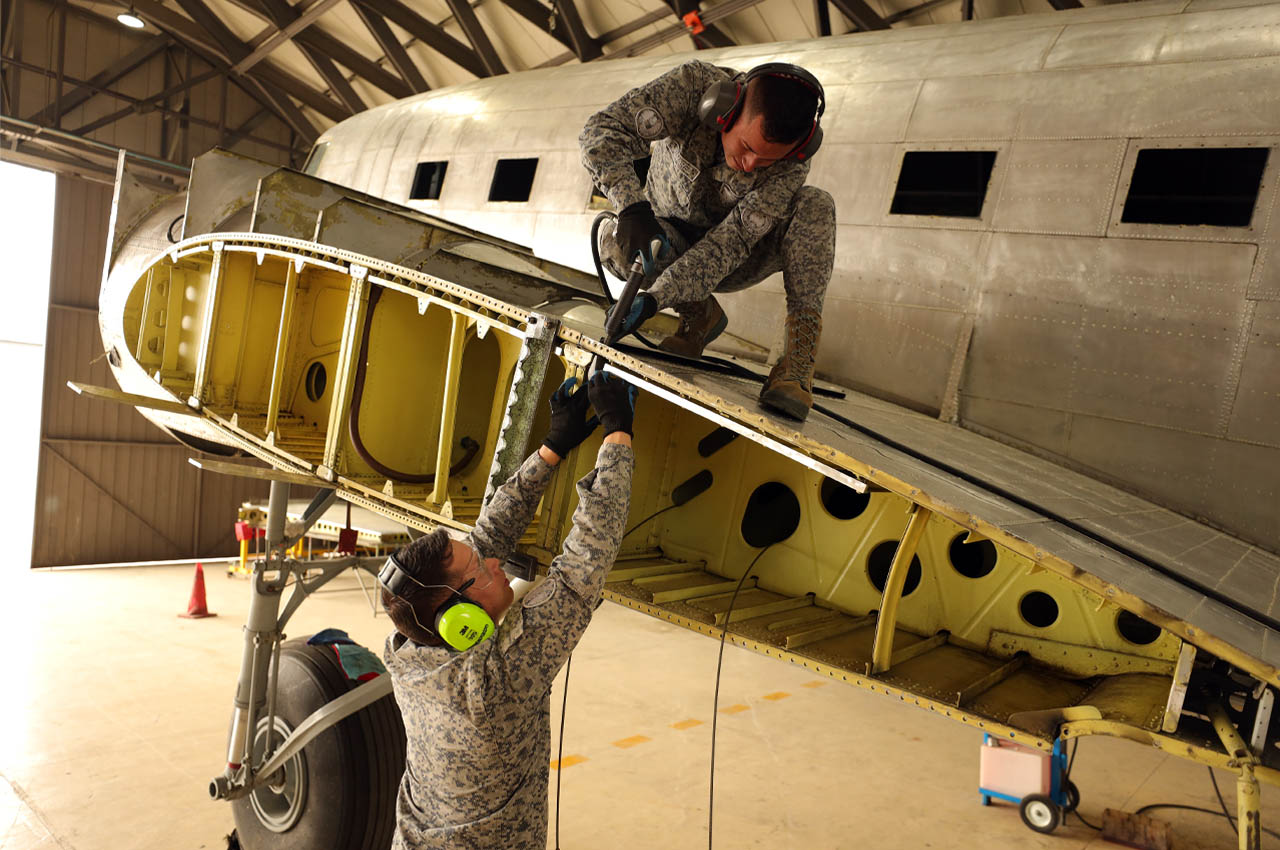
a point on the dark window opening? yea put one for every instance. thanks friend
(428, 179)
(843, 502)
(1199, 186)
(772, 515)
(1136, 630)
(317, 380)
(881, 559)
(972, 560)
(950, 183)
(1039, 609)
(513, 180)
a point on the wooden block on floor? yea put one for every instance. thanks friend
(1136, 830)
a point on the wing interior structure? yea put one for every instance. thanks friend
(407, 363)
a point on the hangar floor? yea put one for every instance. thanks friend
(117, 714)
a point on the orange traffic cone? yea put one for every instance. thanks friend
(197, 607)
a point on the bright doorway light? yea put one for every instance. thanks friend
(26, 248)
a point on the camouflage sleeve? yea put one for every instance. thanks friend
(510, 510)
(619, 134)
(697, 272)
(536, 637)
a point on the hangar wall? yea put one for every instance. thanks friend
(111, 486)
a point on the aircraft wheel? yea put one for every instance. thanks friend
(1040, 813)
(1072, 794)
(339, 792)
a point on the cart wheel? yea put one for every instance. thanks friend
(1040, 813)
(1072, 793)
(339, 791)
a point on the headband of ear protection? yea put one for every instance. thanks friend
(459, 621)
(723, 102)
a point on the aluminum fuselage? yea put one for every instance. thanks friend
(1142, 354)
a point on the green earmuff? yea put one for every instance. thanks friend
(461, 623)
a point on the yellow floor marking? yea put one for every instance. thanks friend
(567, 761)
(816, 684)
(686, 724)
(632, 741)
(734, 709)
(777, 695)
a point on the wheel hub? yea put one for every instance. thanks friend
(279, 802)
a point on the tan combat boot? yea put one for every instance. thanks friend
(700, 323)
(789, 389)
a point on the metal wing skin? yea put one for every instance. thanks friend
(1042, 499)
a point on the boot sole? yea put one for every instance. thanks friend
(786, 406)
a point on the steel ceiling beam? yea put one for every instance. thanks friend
(282, 15)
(428, 33)
(861, 15)
(284, 34)
(724, 10)
(121, 67)
(541, 17)
(392, 48)
(584, 46)
(711, 36)
(916, 10)
(822, 18)
(466, 18)
(322, 49)
(204, 43)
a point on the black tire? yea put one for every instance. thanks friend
(339, 792)
(1072, 793)
(1040, 813)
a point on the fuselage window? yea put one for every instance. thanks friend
(313, 159)
(1198, 186)
(513, 180)
(427, 180)
(950, 183)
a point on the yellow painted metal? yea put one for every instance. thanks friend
(149, 320)
(452, 367)
(864, 682)
(108, 394)
(1243, 760)
(282, 350)
(1166, 743)
(1100, 592)
(1077, 659)
(173, 318)
(974, 689)
(882, 653)
(345, 373)
(209, 323)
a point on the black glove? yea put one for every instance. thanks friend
(569, 422)
(614, 400)
(638, 229)
(643, 308)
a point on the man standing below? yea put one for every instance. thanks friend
(725, 204)
(475, 698)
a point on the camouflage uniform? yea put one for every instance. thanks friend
(735, 229)
(479, 722)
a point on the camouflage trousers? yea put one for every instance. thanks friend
(802, 247)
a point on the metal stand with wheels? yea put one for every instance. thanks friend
(1042, 812)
